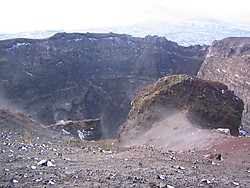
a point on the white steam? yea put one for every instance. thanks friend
(175, 132)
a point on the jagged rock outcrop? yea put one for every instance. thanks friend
(228, 61)
(87, 76)
(206, 104)
(88, 129)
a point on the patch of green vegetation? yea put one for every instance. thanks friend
(174, 79)
(2, 120)
(160, 86)
(6, 130)
(27, 136)
(111, 147)
(108, 147)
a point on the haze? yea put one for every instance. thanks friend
(30, 15)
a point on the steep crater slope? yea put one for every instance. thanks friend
(228, 61)
(87, 76)
(181, 104)
(23, 126)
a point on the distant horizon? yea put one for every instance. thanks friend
(185, 32)
(28, 15)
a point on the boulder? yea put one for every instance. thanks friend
(206, 104)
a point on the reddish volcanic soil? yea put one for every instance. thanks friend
(235, 151)
(178, 134)
(172, 154)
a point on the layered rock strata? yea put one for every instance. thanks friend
(87, 76)
(228, 61)
(88, 129)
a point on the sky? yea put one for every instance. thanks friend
(34, 15)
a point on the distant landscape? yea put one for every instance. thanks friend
(185, 32)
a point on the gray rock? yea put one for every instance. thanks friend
(14, 181)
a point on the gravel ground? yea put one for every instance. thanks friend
(104, 164)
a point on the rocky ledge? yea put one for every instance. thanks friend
(88, 129)
(206, 104)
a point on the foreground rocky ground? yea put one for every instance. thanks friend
(78, 163)
(171, 152)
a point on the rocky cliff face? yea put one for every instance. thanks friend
(228, 61)
(88, 129)
(86, 76)
(205, 104)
